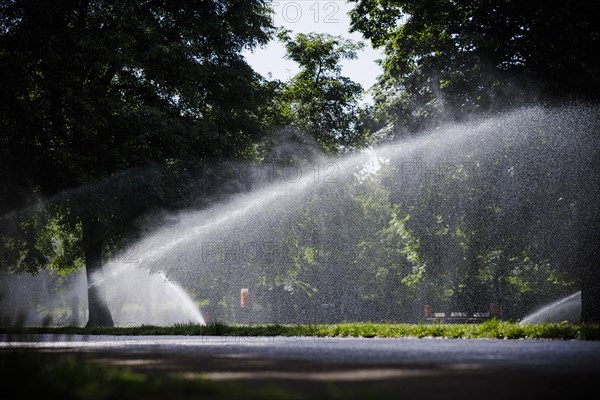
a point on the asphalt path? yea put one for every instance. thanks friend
(551, 355)
(428, 367)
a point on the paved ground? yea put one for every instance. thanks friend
(423, 368)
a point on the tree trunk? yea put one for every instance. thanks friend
(590, 279)
(75, 310)
(590, 299)
(470, 298)
(588, 256)
(99, 314)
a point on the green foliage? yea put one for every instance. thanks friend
(113, 105)
(319, 100)
(388, 250)
(446, 59)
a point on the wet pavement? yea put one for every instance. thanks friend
(429, 368)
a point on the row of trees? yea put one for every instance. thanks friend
(111, 110)
(457, 223)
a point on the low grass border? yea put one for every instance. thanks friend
(491, 329)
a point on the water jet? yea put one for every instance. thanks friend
(567, 309)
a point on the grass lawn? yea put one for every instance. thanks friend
(489, 329)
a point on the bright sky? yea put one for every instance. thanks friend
(322, 16)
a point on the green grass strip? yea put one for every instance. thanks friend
(492, 329)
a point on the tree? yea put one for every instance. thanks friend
(319, 100)
(113, 105)
(445, 59)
